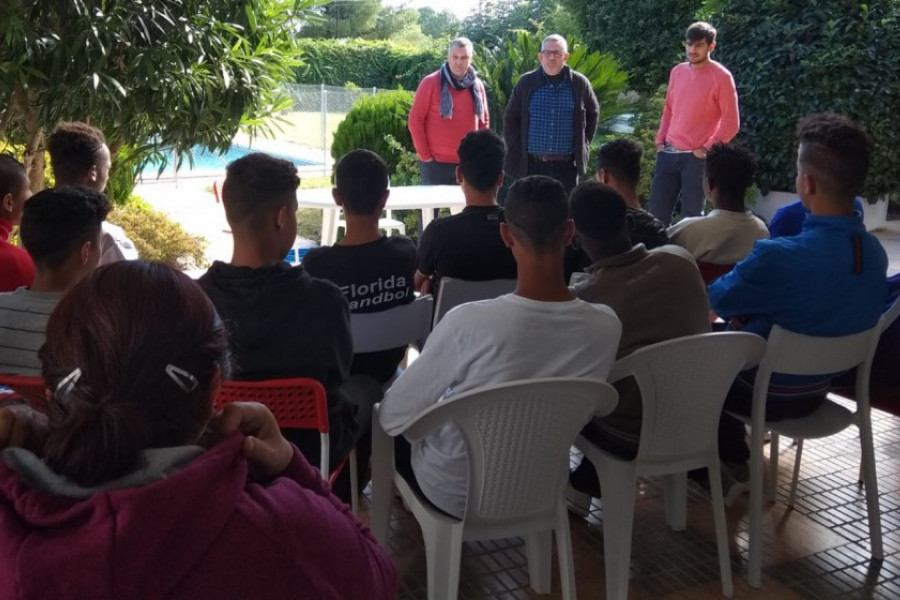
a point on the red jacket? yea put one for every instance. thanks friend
(436, 138)
(203, 532)
(16, 266)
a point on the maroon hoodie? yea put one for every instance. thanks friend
(205, 531)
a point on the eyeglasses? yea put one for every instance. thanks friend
(552, 53)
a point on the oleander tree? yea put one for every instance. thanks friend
(152, 74)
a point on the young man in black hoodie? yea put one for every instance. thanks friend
(284, 323)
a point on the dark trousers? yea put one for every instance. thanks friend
(733, 446)
(677, 173)
(437, 173)
(563, 171)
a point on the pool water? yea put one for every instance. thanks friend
(205, 160)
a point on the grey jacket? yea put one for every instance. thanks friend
(515, 120)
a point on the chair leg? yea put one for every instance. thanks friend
(754, 566)
(772, 490)
(354, 483)
(564, 551)
(675, 499)
(382, 481)
(539, 550)
(443, 550)
(871, 483)
(798, 455)
(617, 480)
(718, 506)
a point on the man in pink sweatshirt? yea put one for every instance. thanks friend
(701, 110)
(448, 104)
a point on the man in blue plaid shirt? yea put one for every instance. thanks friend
(550, 119)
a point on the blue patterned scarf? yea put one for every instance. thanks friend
(468, 82)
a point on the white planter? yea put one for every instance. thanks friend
(875, 215)
(765, 206)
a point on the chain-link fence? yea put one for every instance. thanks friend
(316, 113)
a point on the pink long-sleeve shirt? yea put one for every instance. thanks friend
(436, 138)
(701, 107)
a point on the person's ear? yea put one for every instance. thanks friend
(84, 253)
(712, 47)
(7, 203)
(383, 200)
(603, 176)
(459, 175)
(93, 173)
(337, 197)
(281, 217)
(507, 236)
(710, 183)
(568, 232)
(808, 183)
(500, 179)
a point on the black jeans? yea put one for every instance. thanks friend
(563, 171)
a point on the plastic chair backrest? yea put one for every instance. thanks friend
(683, 384)
(32, 389)
(392, 328)
(710, 272)
(517, 438)
(297, 403)
(453, 292)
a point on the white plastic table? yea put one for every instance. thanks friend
(424, 198)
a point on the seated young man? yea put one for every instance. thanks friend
(619, 167)
(16, 267)
(79, 156)
(468, 245)
(375, 272)
(658, 295)
(727, 234)
(61, 231)
(540, 330)
(282, 322)
(829, 280)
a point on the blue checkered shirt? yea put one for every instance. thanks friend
(551, 118)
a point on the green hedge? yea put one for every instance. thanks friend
(371, 124)
(368, 63)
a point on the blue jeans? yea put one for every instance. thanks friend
(677, 172)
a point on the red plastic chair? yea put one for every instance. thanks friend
(30, 389)
(297, 403)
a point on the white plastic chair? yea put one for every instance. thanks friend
(517, 437)
(683, 384)
(796, 354)
(453, 292)
(392, 328)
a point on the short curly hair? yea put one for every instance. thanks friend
(59, 220)
(837, 150)
(732, 167)
(74, 148)
(254, 184)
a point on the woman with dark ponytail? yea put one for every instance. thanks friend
(133, 489)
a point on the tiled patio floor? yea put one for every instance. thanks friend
(818, 550)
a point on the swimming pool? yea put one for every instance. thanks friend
(207, 161)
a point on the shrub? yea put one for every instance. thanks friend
(159, 238)
(370, 121)
(791, 58)
(365, 63)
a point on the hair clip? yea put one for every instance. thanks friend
(187, 382)
(65, 385)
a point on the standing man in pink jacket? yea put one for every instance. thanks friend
(701, 110)
(449, 103)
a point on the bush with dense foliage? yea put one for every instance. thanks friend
(644, 35)
(371, 120)
(159, 238)
(791, 58)
(366, 63)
